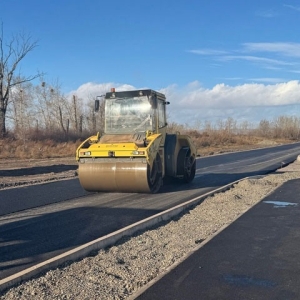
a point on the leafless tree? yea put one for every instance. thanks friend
(52, 108)
(245, 127)
(59, 108)
(21, 112)
(11, 54)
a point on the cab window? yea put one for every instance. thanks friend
(161, 114)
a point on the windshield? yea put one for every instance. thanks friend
(128, 115)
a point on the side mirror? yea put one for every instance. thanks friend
(97, 105)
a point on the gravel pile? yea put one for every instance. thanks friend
(121, 270)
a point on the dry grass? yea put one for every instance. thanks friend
(24, 149)
(207, 144)
(220, 142)
(226, 137)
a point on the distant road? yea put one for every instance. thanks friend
(76, 217)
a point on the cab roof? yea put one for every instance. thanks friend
(134, 93)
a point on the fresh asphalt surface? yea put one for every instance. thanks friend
(74, 217)
(256, 257)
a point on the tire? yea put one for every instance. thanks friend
(186, 165)
(189, 169)
(155, 175)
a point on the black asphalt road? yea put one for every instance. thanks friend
(256, 257)
(73, 217)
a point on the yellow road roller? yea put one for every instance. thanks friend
(134, 153)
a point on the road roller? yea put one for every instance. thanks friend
(134, 153)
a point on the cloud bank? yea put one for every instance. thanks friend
(193, 103)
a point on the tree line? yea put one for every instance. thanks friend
(43, 109)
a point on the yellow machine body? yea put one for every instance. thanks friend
(134, 154)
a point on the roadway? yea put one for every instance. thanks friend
(39, 222)
(255, 257)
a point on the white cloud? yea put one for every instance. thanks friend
(207, 52)
(90, 90)
(233, 78)
(287, 49)
(256, 59)
(267, 14)
(283, 51)
(297, 8)
(251, 102)
(267, 79)
(225, 96)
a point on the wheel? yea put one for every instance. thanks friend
(189, 169)
(186, 165)
(155, 175)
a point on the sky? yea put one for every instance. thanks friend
(213, 59)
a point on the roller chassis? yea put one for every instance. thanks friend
(135, 160)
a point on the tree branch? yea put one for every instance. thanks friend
(16, 50)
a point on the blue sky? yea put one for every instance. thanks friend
(214, 59)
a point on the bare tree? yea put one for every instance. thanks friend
(52, 108)
(76, 113)
(60, 107)
(245, 127)
(11, 54)
(21, 109)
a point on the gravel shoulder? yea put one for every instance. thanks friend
(123, 269)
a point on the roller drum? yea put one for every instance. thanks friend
(114, 175)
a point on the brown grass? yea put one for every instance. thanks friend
(220, 142)
(223, 137)
(24, 149)
(207, 144)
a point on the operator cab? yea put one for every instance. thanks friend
(134, 111)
